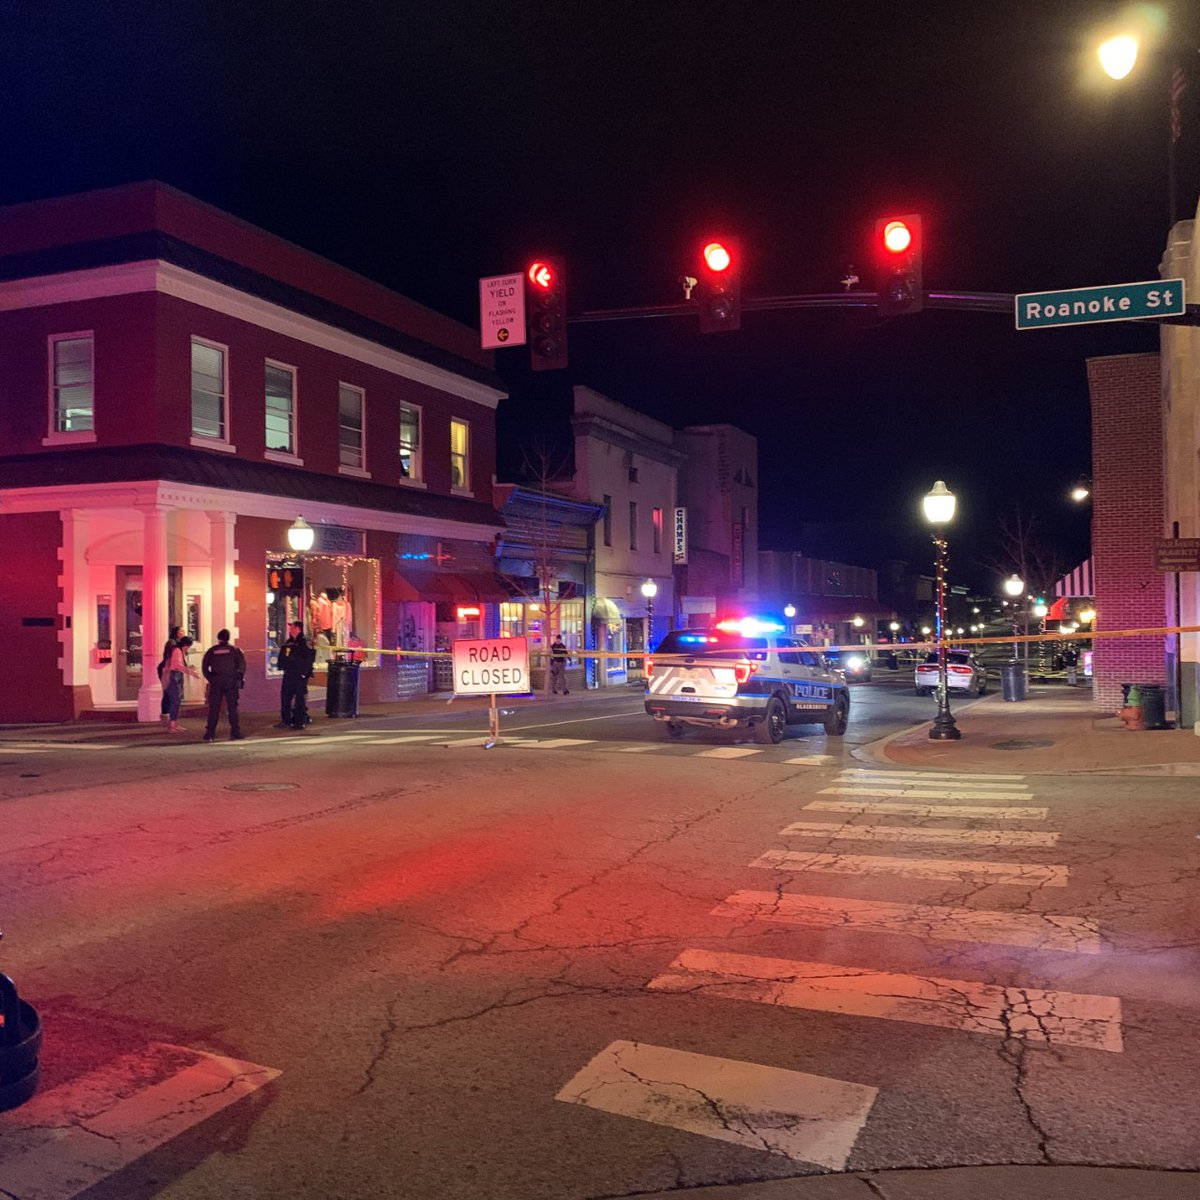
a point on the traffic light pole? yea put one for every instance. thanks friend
(993, 302)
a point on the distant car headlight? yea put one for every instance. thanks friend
(854, 663)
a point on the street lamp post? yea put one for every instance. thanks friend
(939, 507)
(649, 590)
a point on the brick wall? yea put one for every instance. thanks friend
(1127, 515)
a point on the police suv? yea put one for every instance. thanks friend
(743, 674)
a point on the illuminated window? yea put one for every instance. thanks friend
(281, 408)
(351, 449)
(410, 441)
(460, 447)
(656, 516)
(73, 383)
(209, 391)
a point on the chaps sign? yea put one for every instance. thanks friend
(491, 667)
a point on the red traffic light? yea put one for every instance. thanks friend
(541, 275)
(717, 256)
(897, 237)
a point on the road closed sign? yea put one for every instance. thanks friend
(486, 667)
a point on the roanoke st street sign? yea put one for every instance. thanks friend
(1116, 302)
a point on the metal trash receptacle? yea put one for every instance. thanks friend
(1154, 706)
(341, 690)
(20, 1046)
(1014, 682)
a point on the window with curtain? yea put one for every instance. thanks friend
(208, 391)
(410, 441)
(350, 427)
(281, 408)
(74, 384)
(460, 447)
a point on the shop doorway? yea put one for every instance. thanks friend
(134, 645)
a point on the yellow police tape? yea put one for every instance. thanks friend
(638, 655)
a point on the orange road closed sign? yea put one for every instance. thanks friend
(485, 667)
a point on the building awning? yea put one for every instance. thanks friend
(604, 609)
(442, 587)
(1077, 584)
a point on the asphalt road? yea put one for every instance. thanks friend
(383, 961)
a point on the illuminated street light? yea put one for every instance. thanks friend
(1118, 55)
(789, 611)
(1087, 616)
(300, 535)
(939, 505)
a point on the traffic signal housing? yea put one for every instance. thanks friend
(898, 246)
(546, 313)
(719, 285)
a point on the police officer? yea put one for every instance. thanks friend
(224, 666)
(296, 659)
(558, 666)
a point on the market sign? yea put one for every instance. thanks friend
(1114, 302)
(1177, 554)
(502, 311)
(488, 667)
(680, 536)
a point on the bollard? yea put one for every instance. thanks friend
(20, 1043)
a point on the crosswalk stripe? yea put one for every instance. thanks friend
(939, 922)
(917, 834)
(638, 749)
(959, 811)
(403, 737)
(811, 760)
(965, 777)
(914, 868)
(42, 747)
(25, 750)
(728, 752)
(807, 1118)
(65, 1140)
(920, 792)
(558, 743)
(1031, 1014)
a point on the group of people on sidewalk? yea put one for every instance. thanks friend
(223, 669)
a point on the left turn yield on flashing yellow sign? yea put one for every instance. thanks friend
(483, 667)
(502, 311)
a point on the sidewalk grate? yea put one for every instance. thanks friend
(1023, 744)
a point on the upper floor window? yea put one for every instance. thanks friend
(73, 383)
(281, 408)
(410, 441)
(209, 391)
(657, 521)
(608, 520)
(633, 524)
(350, 427)
(460, 449)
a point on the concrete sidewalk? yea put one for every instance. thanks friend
(1056, 731)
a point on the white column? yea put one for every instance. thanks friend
(155, 616)
(223, 580)
(74, 611)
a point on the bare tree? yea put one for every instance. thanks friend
(1022, 549)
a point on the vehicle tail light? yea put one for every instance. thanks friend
(744, 670)
(960, 670)
(649, 667)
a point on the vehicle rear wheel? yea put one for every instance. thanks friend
(837, 718)
(769, 730)
(674, 729)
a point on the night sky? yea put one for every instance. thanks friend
(427, 144)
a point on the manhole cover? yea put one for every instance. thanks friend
(260, 787)
(1023, 744)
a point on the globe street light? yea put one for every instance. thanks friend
(649, 590)
(939, 507)
(789, 611)
(300, 535)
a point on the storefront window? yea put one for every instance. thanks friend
(336, 599)
(512, 619)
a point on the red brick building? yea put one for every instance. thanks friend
(1128, 507)
(178, 388)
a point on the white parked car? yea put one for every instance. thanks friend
(964, 673)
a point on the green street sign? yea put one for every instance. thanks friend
(1116, 302)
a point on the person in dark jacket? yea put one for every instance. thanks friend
(296, 659)
(224, 666)
(558, 667)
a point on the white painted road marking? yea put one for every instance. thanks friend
(918, 834)
(558, 743)
(403, 737)
(1050, 1017)
(967, 779)
(638, 749)
(920, 792)
(728, 752)
(813, 760)
(959, 811)
(803, 1117)
(66, 1140)
(914, 868)
(1037, 931)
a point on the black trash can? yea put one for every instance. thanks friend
(341, 692)
(1154, 706)
(1014, 683)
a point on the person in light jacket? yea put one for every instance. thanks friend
(175, 667)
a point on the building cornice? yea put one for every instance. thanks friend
(590, 425)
